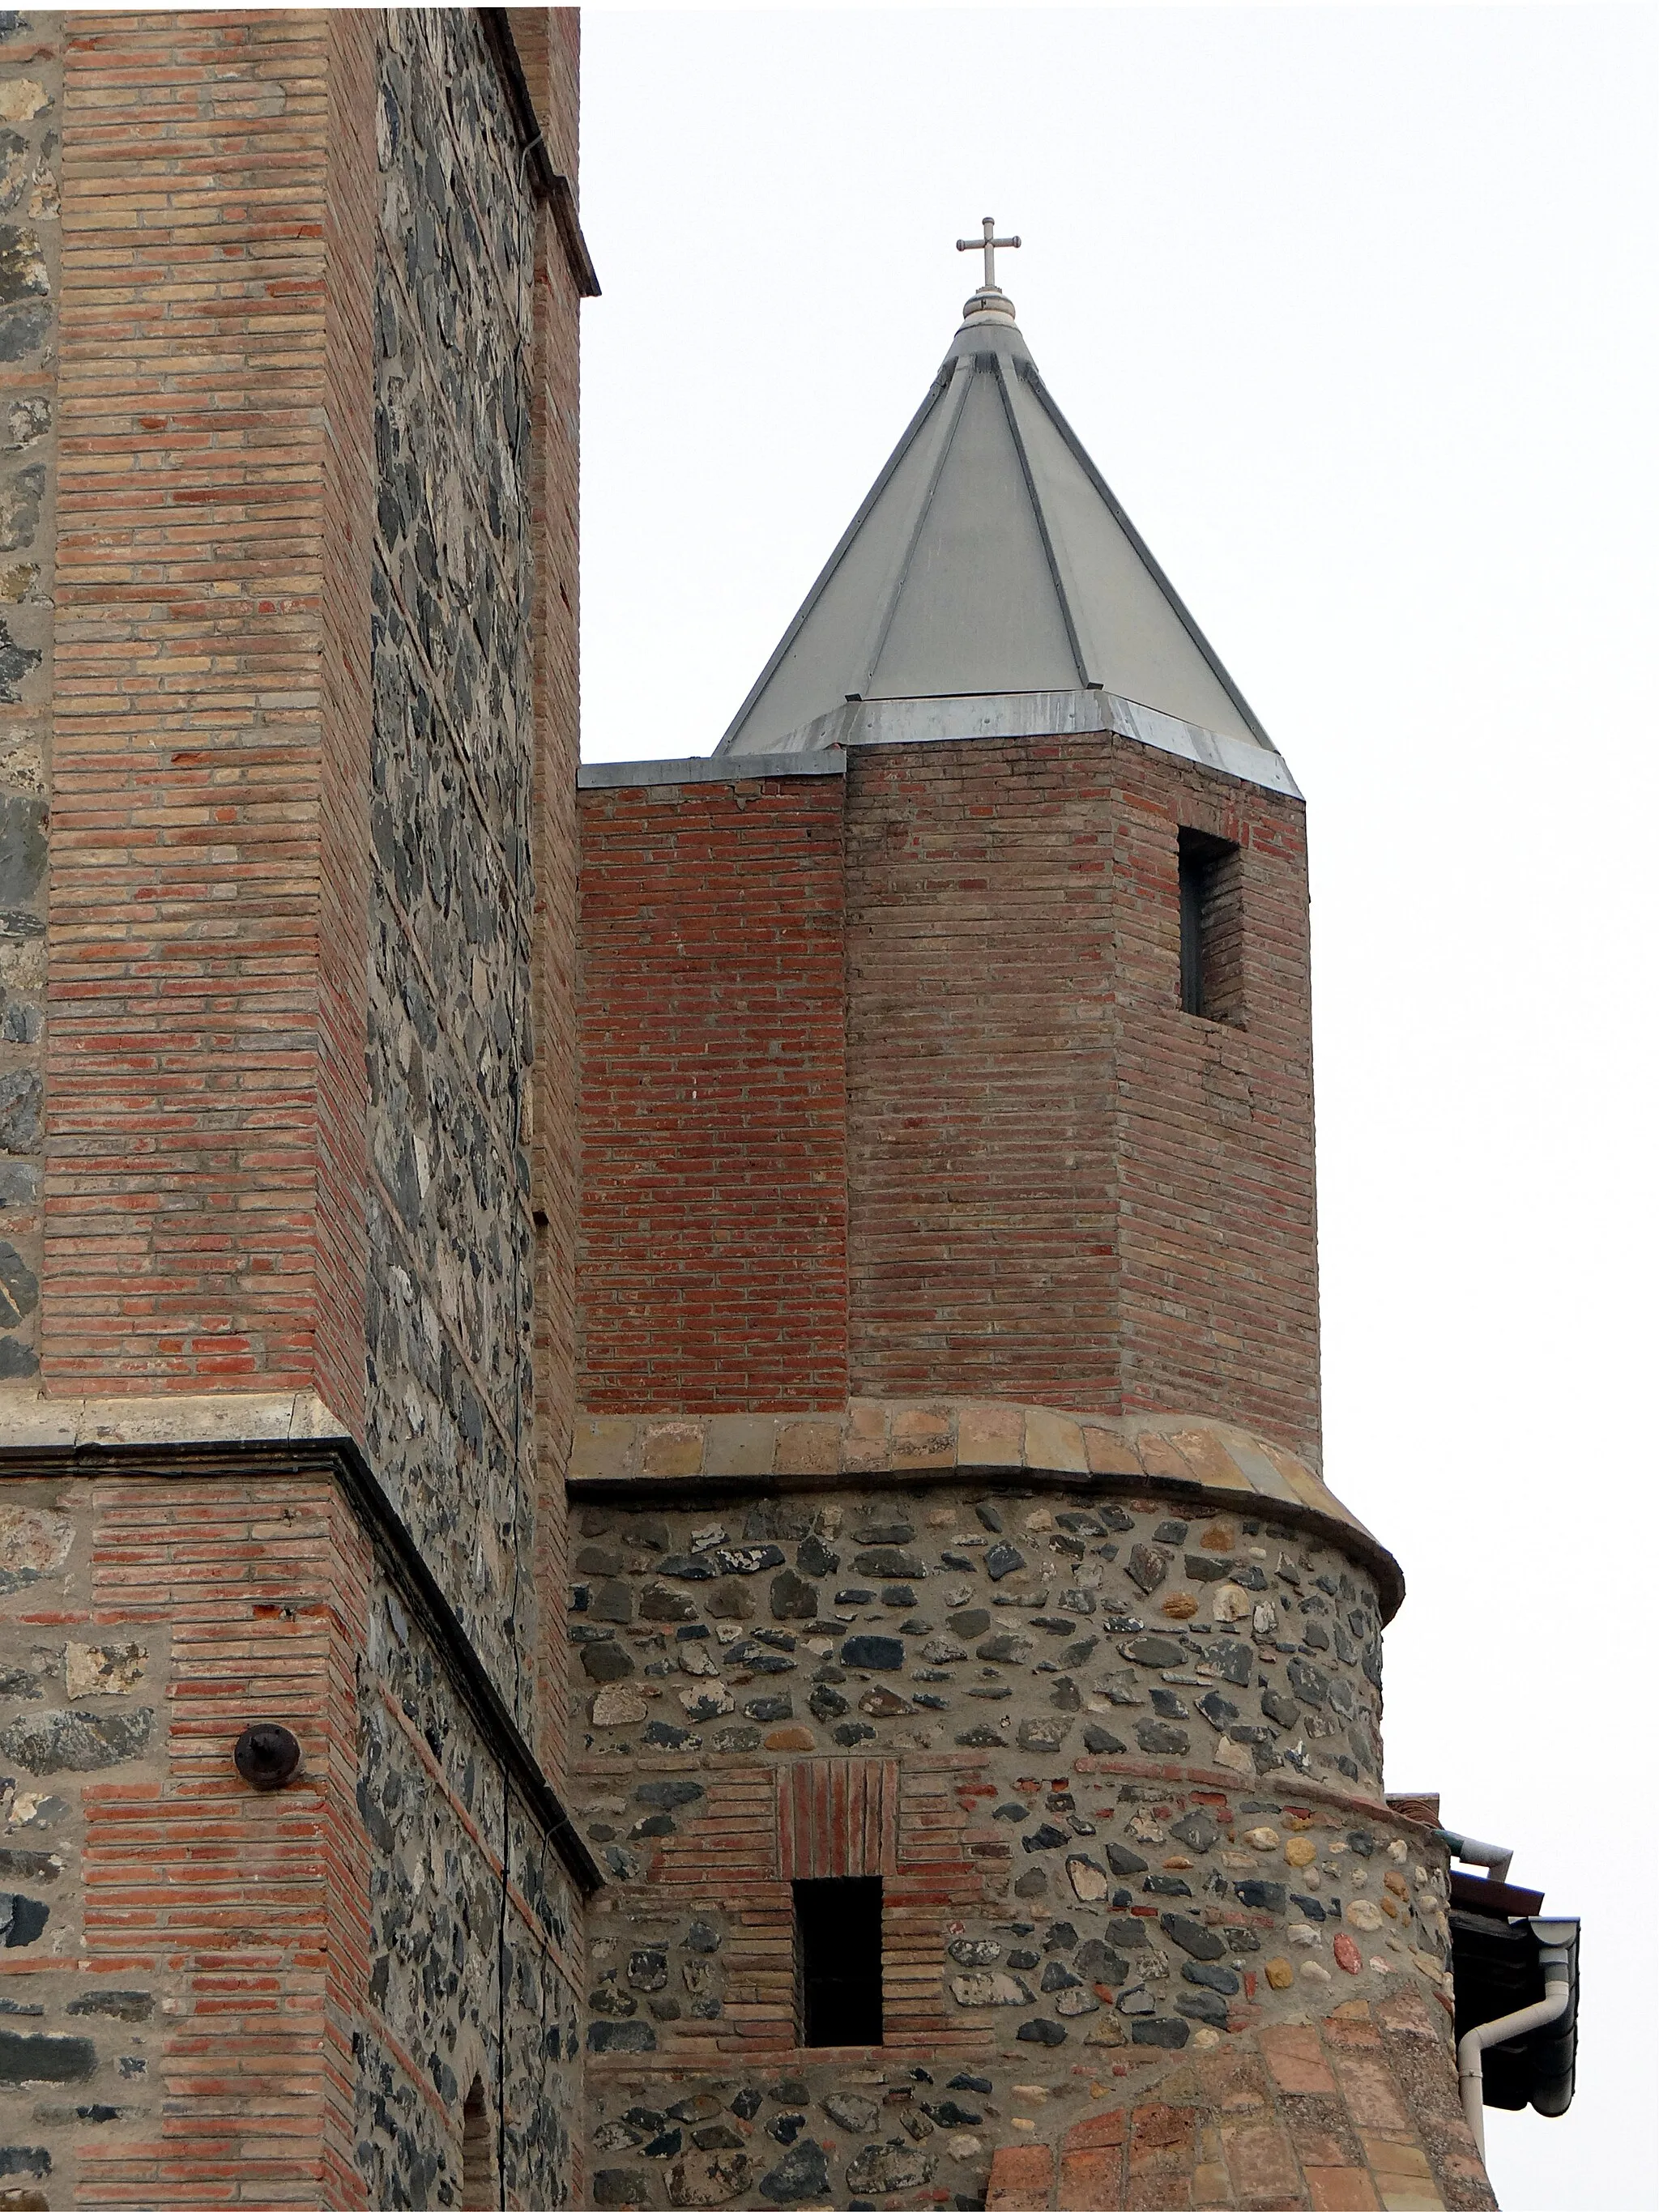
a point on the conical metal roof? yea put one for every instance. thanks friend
(991, 560)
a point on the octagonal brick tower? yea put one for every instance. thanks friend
(950, 1519)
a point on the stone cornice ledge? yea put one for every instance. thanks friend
(890, 1441)
(294, 1433)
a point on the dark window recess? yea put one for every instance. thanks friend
(1212, 927)
(838, 1960)
(478, 2190)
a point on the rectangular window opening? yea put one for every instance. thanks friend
(1212, 927)
(838, 1960)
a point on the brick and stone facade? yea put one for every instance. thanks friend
(947, 1506)
(290, 483)
(737, 1297)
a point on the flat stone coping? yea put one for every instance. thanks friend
(228, 1417)
(891, 1442)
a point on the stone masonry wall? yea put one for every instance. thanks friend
(449, 1414)
(31, 89)
(474, 1948)
(1118, 1771)
(550, 41)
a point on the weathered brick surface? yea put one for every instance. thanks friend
(1216, 1263)
(237, 1986)
(712, 1264)
(192, 706)
(310, 945)
(1058, 1187)
(1062, 1186)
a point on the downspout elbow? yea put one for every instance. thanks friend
(1495, 1858)
(1558, 1990)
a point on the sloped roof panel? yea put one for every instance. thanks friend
(990, 558)
(977, 611)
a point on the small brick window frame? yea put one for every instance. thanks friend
(1211, 888)
(837, 1840)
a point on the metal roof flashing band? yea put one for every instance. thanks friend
(819, 747)
(730, 768)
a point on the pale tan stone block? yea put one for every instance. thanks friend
(808, 1447)
(1055, 1440)
(601, 1447)
(990, 1435)
(1159, 1455)
(1209, 1459)
(1110, 1452)
(738, 1443)
(672, 1448)
(921, 1436)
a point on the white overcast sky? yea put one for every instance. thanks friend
(1355, 308)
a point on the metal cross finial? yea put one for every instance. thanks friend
(987, 245)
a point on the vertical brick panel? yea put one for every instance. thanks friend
(1218, 1270)
(712, 1262)
(187, 900)
(980, 1147)
(248, 1913)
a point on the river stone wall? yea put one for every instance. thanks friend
(448, 1406)
(31, 88)
(1128, 1768)
(989, 1623)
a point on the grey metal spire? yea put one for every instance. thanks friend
(989, 564)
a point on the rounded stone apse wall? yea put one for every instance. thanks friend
(1118, 1767)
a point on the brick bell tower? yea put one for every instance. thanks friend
(976, 1687)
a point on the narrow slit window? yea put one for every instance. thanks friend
(838, 1960)
(1212, 927)
(479, 2192)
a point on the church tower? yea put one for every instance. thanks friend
(292, 1913)
(977, 1687)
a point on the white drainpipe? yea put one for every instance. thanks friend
(1495, 1858)
(1554, 1937)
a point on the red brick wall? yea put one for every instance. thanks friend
(712, 1263)
(201, 1068)
(981, 1142)
(1218, 1299)
(1059, 1188)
